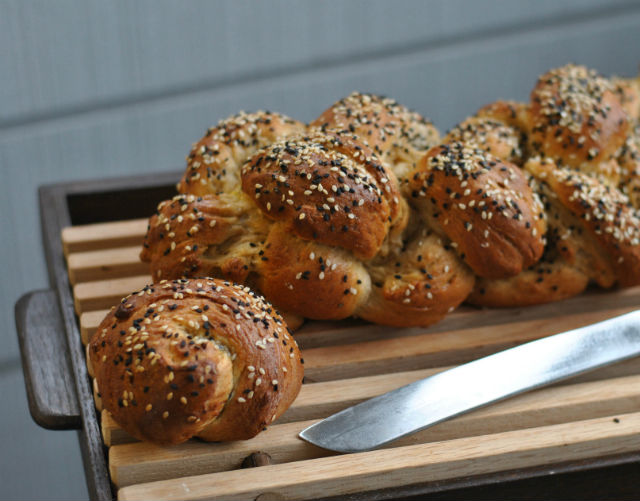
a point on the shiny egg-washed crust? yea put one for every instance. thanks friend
(214, 162)
(196, 357)
(555, 277)
(217, 236)
(604, 220)
(491, 130)
(328, 187)
(512, 113)
(577, 119)
(580, 122)
(593, 236)
(323, 281)
(380, 121)
(417, 285)
(543, 283)
(329, 222)
(483, 205)
(398, 135)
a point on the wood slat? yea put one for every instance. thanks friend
(405, 353)
(319, 400)
(89, 296)
(349, 361)
(444, 348)
(407, 465)
(318, 333)
(313, 402)
(101, 264)
(82, 238)
(89, 322)
(143, 462)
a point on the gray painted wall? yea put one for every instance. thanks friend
(94, 89)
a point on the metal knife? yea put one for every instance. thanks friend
(456, 391)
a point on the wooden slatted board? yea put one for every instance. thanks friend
(595, 415)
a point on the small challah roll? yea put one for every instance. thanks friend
(197, 357)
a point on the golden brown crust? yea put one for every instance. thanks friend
(368, 116)
(496, 137)
(605, 222)
(543, 283)
(195, 357)
(380, 121)
(483, 205)
(417, 285)
(214, 162)
(211, 235)
(304, 276)
(398, 135)
(357, 188)
(328, 187)
(581, 120)
(576, 118)
(512, 113)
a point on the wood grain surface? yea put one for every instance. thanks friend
(349, 361)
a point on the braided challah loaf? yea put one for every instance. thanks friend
(581, 156)
(195, 358)
(367, 212)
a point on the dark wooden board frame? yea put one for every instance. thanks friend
(86, 202)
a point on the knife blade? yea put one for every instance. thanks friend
(424, 403)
